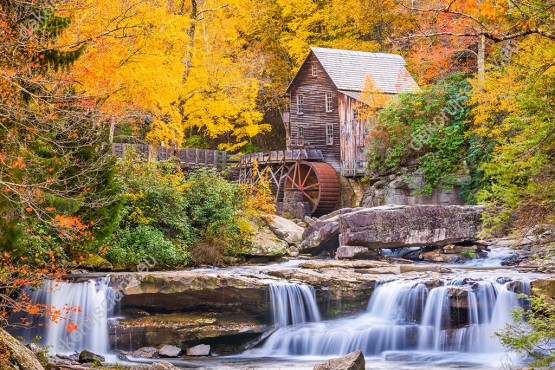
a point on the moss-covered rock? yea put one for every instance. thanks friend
(96, 263)
(15, 356)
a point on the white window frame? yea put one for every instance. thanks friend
(329, 134)
(300, 135)
(300, 104)
(314, 70)
(329, 102)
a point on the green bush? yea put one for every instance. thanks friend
(427, 127)
(211, 201)
(145, 245)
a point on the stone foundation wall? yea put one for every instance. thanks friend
(405, 189)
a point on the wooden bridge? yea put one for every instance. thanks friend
(190, 158)
(300, 174)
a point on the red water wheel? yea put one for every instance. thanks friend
(317, 182)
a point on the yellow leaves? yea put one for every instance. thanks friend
(143, 68)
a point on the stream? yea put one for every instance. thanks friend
(409, 323)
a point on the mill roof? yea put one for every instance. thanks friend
(349, 70)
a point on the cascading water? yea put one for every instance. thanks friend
(456, 316)
(94, 303)
(293, 304)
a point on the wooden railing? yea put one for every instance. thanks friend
(280, 156)
(220, 160)
(189, 157)
(354, 168)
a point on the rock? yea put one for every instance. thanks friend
(456, 249)
(352, 361)
(309, 220)
(96, 263)
(321, 236)
(169, 351)
(423, 268)
(340, 292)
(293, 251)
(230, 332)
(343, 264)
(200, 350)
(20, 357)
(432, 256)
(146, 352)
(545, 287)
(456, 259)
(405, 188)
(86, 357)
(189, 291)
(393, 227)
(285, 229)
(349, 251)
(380, 271)
(163, 365)
(264, 243)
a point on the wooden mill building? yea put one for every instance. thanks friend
(327, 132)
(326, 95)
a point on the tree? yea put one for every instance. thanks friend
(57, 188)
(519, 175)
(532, 333)
(454, 30)
(168, 62)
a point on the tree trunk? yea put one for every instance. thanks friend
(191, 33)
(482, 57)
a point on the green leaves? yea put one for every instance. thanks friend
(532, 333)
(428, 127)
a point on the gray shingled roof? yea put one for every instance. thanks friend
(349, 70)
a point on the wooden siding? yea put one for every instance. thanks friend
(353, 137)
(315, 118)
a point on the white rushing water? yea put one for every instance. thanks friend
(86, 305)
(408, 321)
(495, 258)
(405, 317)
(293, 304)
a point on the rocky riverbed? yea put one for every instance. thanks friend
(227, 311)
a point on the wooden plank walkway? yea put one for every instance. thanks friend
(189, 157)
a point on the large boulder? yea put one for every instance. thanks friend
(188, 291)
(393, 227)
(285, 229)
(352, 361)
(264, 242)
(15, 356)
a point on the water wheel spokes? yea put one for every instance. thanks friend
(317, 182)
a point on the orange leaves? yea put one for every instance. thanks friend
(71, 327)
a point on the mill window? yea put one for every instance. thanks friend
(329, 102)
(329, 134)
(300, 107)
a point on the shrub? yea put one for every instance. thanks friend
(131, 247)
(532, 333)
(427, 127)
(211, 201)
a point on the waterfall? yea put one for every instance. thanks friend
(293, 304)
(94, 301)
(449, 316)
